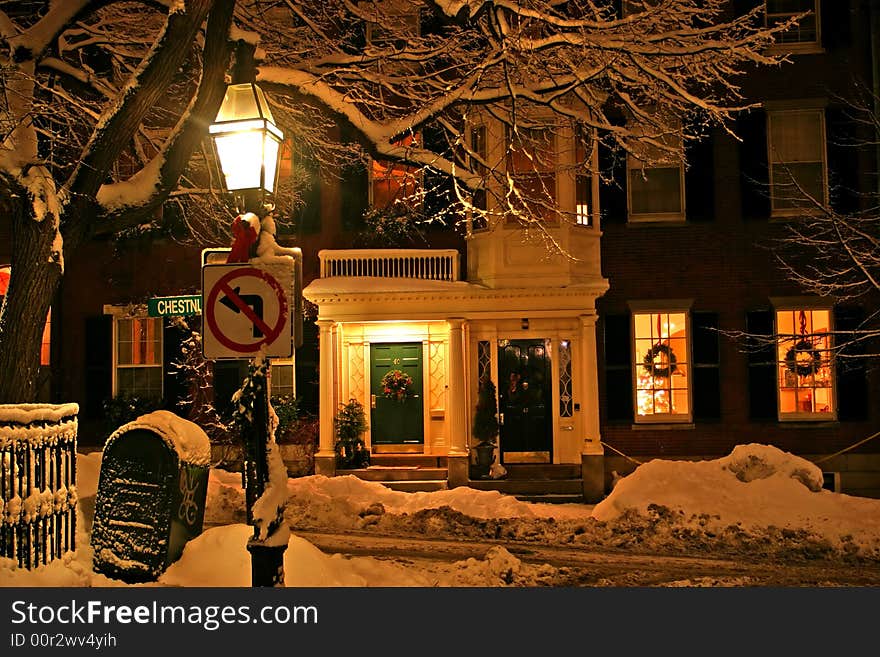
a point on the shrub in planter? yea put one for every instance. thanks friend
(350, 423)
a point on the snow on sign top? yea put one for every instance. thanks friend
(186, 438)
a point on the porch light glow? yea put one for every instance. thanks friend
(246, 140)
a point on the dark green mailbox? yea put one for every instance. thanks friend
(151, 495)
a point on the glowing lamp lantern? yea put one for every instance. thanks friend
(246, 140)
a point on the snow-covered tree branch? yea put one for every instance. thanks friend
(104, 103)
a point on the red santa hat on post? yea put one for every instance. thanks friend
(245, 230)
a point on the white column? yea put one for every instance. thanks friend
(589, 384)
(326, 388)
(457, 408)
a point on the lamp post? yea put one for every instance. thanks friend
(247, 144)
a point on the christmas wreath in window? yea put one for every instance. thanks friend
(803, 358)
(396, 385)
(660, 361)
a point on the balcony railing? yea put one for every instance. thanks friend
(427, 264)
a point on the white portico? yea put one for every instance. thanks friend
(525, 321)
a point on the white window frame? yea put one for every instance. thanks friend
(587, 215)
(799, 46)
(553, 147)
(672, 306)
(652, 162)
(284, 362)
(773, 159)
(121, 313)
(794, 306)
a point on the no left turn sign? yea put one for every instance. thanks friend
(245, 308)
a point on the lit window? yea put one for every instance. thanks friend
(283, 378)
(5, 273)
(662, 366)
(804, 364)
(585, 151)
(655, 181)
(531, 165)
(391, 184)
(138, 357)
(807, 29)
(796, 141)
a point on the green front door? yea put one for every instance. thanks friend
(393, 421)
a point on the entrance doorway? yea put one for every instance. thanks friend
(396, 425)
(524, 396)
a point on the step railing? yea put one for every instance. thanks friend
(427, 264)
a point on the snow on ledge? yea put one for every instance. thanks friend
(187, 439)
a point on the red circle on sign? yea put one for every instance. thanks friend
(270, 334)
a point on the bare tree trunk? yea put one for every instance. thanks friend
(35, 279)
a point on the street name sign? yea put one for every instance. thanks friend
(246, 308)
(174, 306)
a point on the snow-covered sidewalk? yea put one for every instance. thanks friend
(757, 492)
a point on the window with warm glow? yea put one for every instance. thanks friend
(531, 165)
(796, 141)
(394, 183)
(138, 356)
(45, 339)
(805, 376)
(662, 366)
(806, 32)
(585, 151)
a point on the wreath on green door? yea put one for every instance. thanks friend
(396, 385)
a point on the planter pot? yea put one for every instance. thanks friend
(484, 457)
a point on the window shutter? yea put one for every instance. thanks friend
(98, 364)
(307, 215)
(706, 382)
(618, 367)
(843, 162)
(762, 366)
(439, 187)
(354, 195)
(851, 380)
(612, 194)
(754, 172)
(699, 180)
(175, 387)
(836, 25)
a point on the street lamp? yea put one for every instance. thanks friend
(247, 144)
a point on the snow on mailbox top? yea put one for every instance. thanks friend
(186, 438)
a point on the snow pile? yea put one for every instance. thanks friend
(347, 501)
(219, 557)
(755, 486)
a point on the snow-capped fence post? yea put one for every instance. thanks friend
(37, 482)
